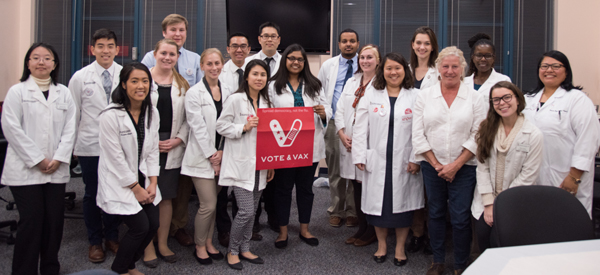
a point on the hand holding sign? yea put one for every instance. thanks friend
(252, 122)
(320, 110)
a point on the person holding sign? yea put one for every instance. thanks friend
(295, 86)
(238, 123)
(382, 147)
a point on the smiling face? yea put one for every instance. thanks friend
(269, 39)
(422, 46)
(348, 44)
(257, 78)
(552, 77)
(177, 32)
(368, 61)
(212, 65)
(166, 56)
(41, 63)
(483, 58)
(137, 86)
(393, 72)
(450, 70)
(503, 108)
(238, 50)
(295, 67)
(105, 51)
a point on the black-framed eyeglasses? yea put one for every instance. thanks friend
(506, 98)
(487, 56)
(235, 46)
(267, 37)
(293, 59)
(555, 66)
(46, 60)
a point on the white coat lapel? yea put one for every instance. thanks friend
(35, 91)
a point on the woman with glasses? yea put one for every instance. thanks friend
(481, 75)
(38, 121)
(509, 154)
(295, 86)
(569, 122)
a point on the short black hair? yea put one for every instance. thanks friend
(237, 34)
(103, 33)
(345, 31)
(268, 24)
(53, 73)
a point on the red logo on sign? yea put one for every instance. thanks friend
(408, 111)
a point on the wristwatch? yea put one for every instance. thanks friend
(577, 181)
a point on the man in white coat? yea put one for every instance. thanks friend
(333, 75)
(269, 40)
(91, 88)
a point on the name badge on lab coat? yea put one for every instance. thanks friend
(523, 148)
(61, 106)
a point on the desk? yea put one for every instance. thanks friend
(575, 258)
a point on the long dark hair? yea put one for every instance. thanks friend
(478, 40)
(567, 84)
(245, 88)
(119, 95)
(53, 73)
(312, 85)
(379, 82)
(414, 60)
(489, 127)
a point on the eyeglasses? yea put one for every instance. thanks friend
(267, 37)
(506, 98)
(487, 56)
(555, 66)
(293, 59)
(37, 59)
(243, 47)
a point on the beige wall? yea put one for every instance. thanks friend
(17, 18)
(577, 35)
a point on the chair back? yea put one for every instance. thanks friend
(527, 215)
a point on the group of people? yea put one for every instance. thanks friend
(405, 142)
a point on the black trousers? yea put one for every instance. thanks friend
(284, 181)
(484, 233)
(142, 228)
(39, 233)
(222, 220)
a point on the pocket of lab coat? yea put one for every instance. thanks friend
(243, 168)
(369, 164)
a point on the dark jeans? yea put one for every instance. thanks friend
(40, 229)
(93, 216)
(456, 196)
(142, 228)
(484, 233)
(284, 181)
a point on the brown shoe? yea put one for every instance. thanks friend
(224, 239)
(112, 246)
(256, 236)
(183, 238)
(351, 240)
(335, 221)
(435, 269)
(360, 242)
(96, 254)
(351, 221)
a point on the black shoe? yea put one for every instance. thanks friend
(257, 260)
(310, 241)
(379, 259)
(236, 266)
(427, 247)
(400, 262)
(281, 244)
(415, 244)
(216, 256)
(201, 261)
(224, 239)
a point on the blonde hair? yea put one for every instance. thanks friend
(452, 51)
(210, 51)
(173, 19)
(179, 80)
(372, 47)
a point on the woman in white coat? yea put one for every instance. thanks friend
(129, 164)
(295, 86)
(168, 96)
(38, 121)
(568, 120)
(238, 124)
(481, 75)
(509, 154)
(392, 190)
(202, 159)
(354, 90)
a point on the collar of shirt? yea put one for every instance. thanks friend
(100, 70)
(275, 57)
(344, 62)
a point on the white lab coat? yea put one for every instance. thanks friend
(35, 129)
(344, 120)
(571, 131)
(430, 78)
(239, 155)
(485, 88)
(179, 126)
(229, 76)
(90, 99)
(286, 100)
(369, 146)
(201, 115)
(521, 167)
(118, 166)
(274, 66)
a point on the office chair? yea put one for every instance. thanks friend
(11, 224)
(596, 199)
(527, 215)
